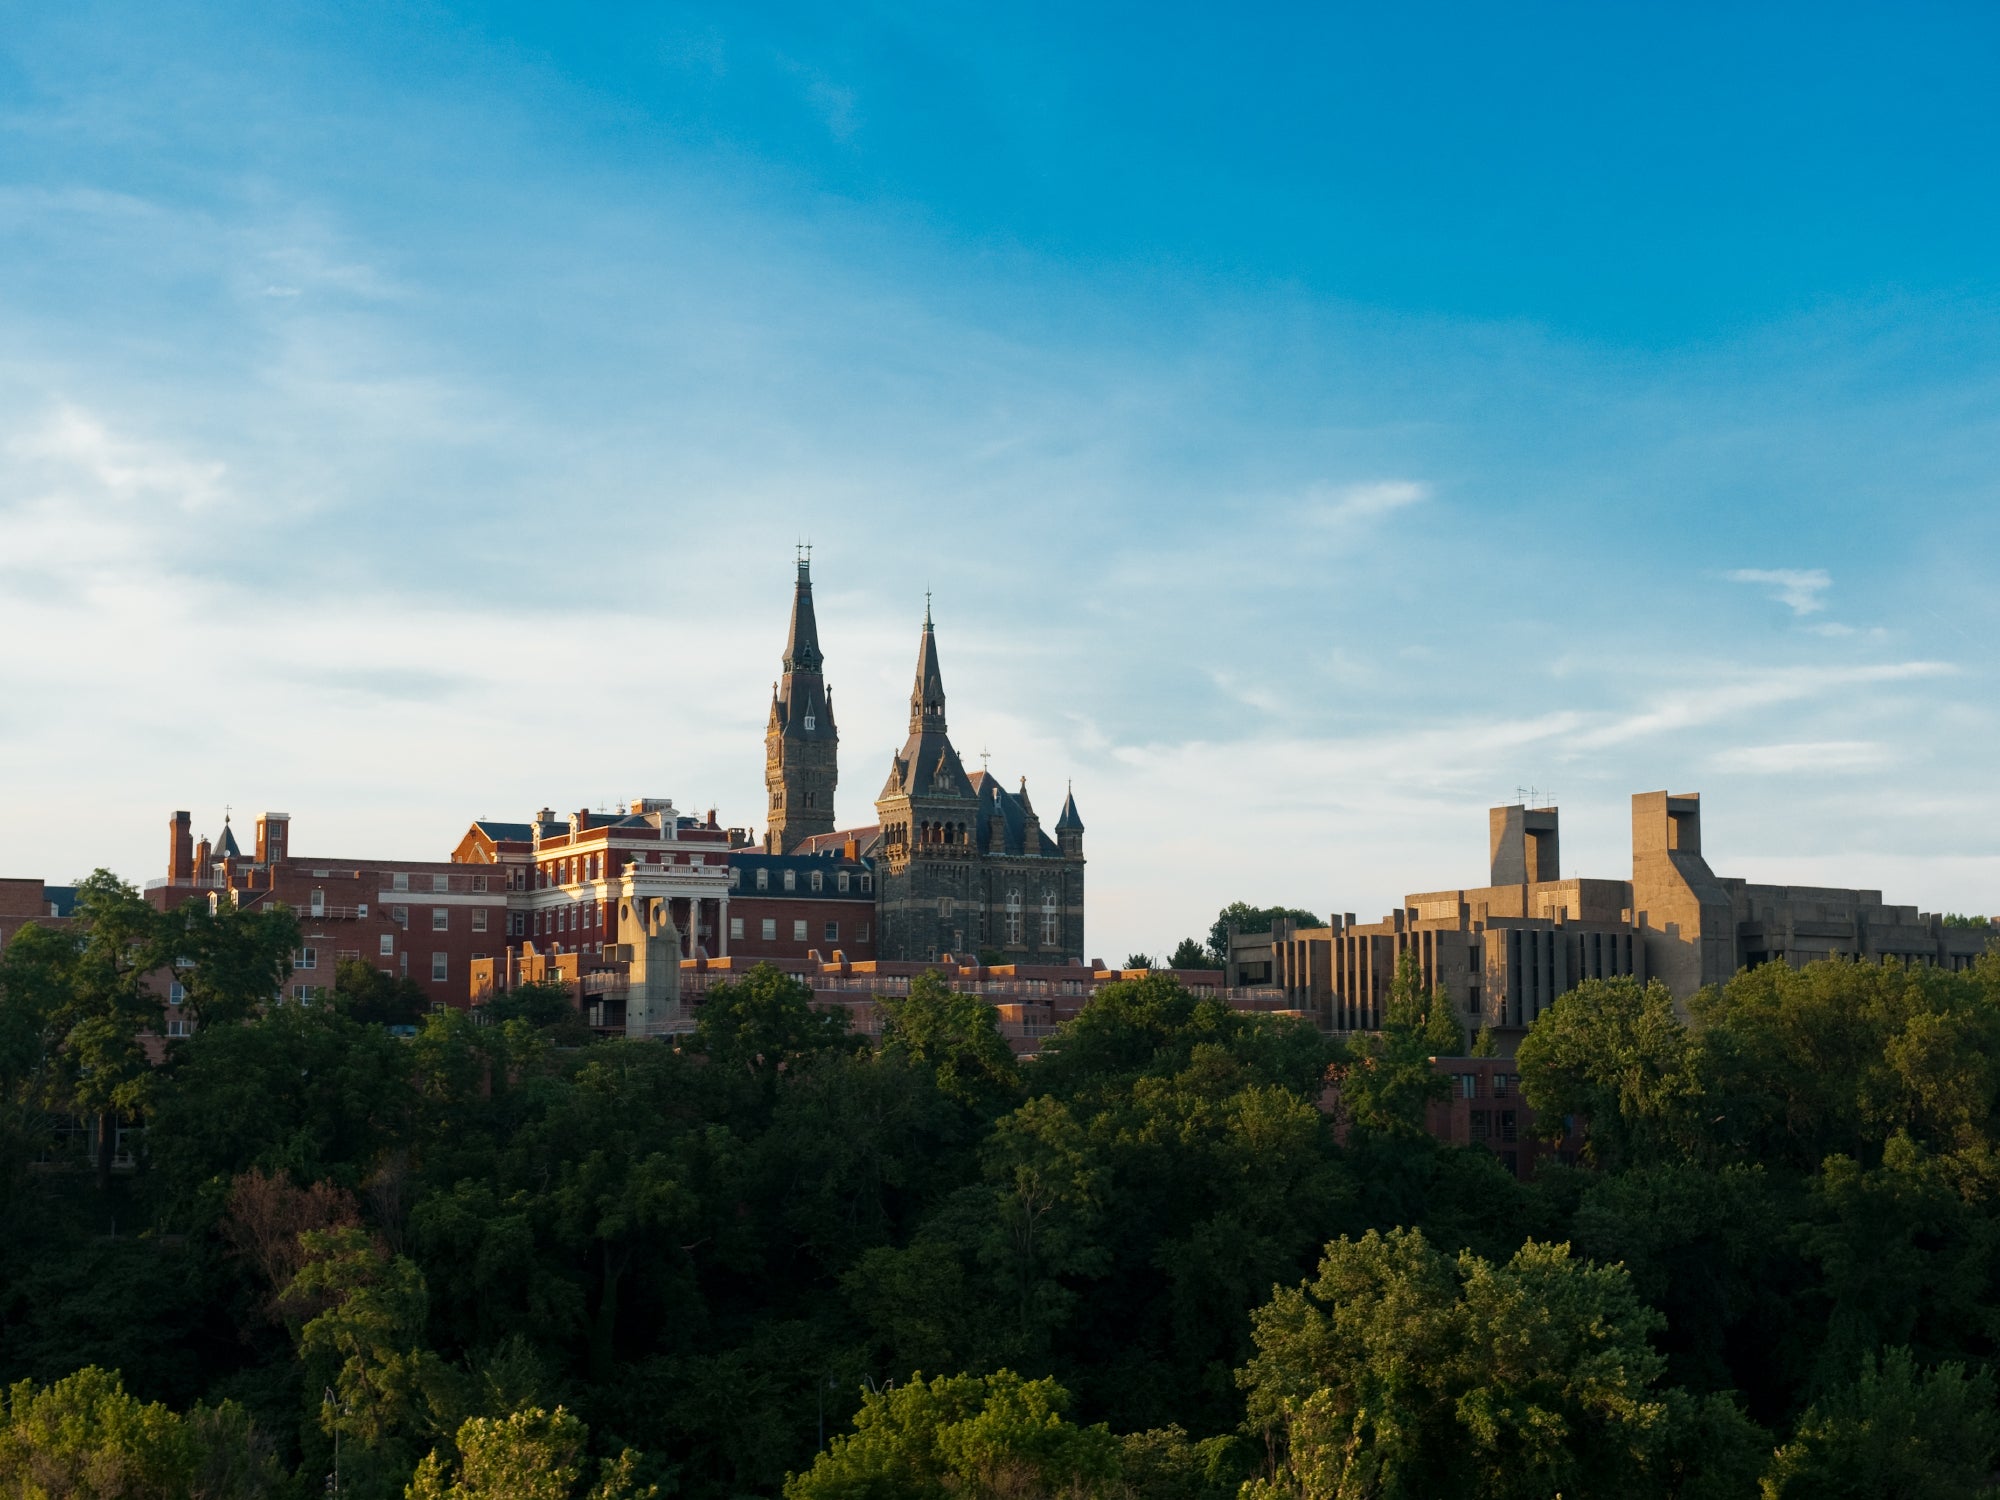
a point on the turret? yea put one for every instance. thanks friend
(1069, 828)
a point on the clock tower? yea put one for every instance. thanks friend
(801, 745)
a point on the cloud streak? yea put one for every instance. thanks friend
(1802, 590)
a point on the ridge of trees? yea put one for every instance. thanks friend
(1182, 1253)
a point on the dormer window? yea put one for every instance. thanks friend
(811, 723)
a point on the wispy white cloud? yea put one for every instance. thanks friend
(1726, 695)
(1811, 755)
(1340, 506)
(1800, 589)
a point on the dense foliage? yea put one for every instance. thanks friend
(498, 1258)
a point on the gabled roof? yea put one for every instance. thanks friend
(502, 833)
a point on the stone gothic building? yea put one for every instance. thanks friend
(801, 745)
(962, 864)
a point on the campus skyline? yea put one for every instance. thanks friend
(1308, 433)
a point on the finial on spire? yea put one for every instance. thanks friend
(985, 759)
(927, 609)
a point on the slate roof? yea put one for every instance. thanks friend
(1014, 810)
(502, 833)
(62, 898)
(1069, 819)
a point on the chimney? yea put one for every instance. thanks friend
(204, 867)
(180, 850)
(273, 837)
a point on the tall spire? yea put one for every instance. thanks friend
(927, 693)
(802, 652)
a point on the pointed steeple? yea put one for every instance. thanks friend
(801, 743)
(927, 693)
(802, 645)
(1070, 818)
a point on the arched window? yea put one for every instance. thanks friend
(1014, 916)
(1051, 920)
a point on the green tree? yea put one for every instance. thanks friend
(1617, 1057)
(983, 1437)
(375, 997)
(760, 1025)
(956, 1036)
(1246, 918)
(1893, 1430)
(364, 1345)
(1401, 1373)
(86, 1438)
(83, 996)
(529, 1455)
(1390, 1081)
(231, 961)
(1192, 953)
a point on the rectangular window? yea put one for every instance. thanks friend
(770, 929)
(736, 927)
(763, 880)
(306, 958)
(479, 920)
(400, 881)
(176, 993)
(440, 918)
(1468, 1085)
(177, 1026)
(479, 882)
(388, 944)
(867, 882)
(1051, 929)
(735, 879)
(440, 963)
(400, 915)
(440, 882)
(1499, 1085)
(1482, 1125)
(833, 932)
(841, 882)
(1507, 1125)
(791, 880)
(799, 930)
(819, 881)
(861, 933)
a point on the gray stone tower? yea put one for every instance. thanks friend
(801, 745)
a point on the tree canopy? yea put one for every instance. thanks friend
(1177, 1252)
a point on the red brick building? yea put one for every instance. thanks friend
(424, 920)
(25, 903)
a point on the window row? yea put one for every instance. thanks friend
(815, 880)
(801, 930)
(399, 880)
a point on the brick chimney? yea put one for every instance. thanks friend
(180, 850)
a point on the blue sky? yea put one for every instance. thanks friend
(1314, 423)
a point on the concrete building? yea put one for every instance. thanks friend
(1504, 951)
